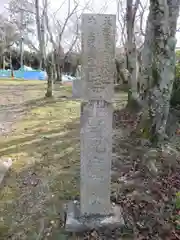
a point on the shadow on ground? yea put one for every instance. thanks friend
(45, 173)
(44, 147)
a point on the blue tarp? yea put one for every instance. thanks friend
(5, 73)
(24, 74)
(27, 74)
(34, 75)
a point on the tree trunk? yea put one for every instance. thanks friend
(22, 39)
(49, 87)
(133, 74)
(159, 76)
(42, 29)
(131, 52)
(4, 62)
(53, 67)
(58, 72)
(38, 24)
(11, 66)
(74, 70)
(21, 52)
(49, 91)
(145, 76)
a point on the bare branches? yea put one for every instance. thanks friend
(73, 42)
(8, 33)
(121, 20)
(142, 11)
(67, 18)
(59, 8)
(30, 44)
(133, 13)
(134, 10)
(49, 31)
(129, 20)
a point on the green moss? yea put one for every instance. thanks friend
(178, 201)
(145, 132)
(177, 206)
(155, 75)
(3, 230)
(133, 104)
(146, 129)
(175, 97)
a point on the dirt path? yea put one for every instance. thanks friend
(43, 149)
(12, 99)
(9, 111)
(8, 116)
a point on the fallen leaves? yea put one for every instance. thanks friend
(148, 204)
(31, 179)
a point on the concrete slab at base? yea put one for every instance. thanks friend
(75, 222)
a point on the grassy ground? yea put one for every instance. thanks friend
(44, 147)
(42, 139)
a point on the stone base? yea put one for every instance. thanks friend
(75, 222)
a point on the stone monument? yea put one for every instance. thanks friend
(98, 66)
(77, 88)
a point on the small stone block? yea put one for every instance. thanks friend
(77, 88)
(75, 222)
(5, 165)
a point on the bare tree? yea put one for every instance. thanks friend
(131, 48)
(157, 46)
(158, 67)
(129, 16)
(8, 36)
(21, 37)
(56, 40)
(48, 67)
(22, 15)
(40, 33)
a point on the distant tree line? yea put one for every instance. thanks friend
(67, 64)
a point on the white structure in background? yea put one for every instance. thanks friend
(26, 68)
(67, 78)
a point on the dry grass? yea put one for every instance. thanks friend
(44, 147)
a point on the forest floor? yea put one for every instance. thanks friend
(42, 138)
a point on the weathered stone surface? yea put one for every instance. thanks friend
(98, 56)
(95, 209)
(77, 88)
(96, 154)
(75, 222)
